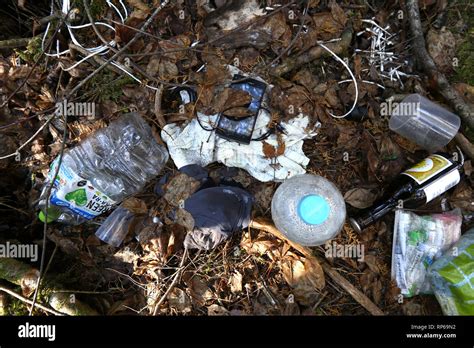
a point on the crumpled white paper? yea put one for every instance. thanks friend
(194, 145)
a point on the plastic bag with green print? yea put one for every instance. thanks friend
(452, 277)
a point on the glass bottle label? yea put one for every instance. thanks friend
(427, 168)
(441, 185)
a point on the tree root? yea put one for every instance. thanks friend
(364, 301)
(427, 64)
(15, 43)
(26, 276)
(292, 63)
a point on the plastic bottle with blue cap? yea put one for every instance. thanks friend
(308, 209)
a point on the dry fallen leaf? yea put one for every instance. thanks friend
(199, 290)
(179, 300)
(372, 263)
(271, 151)
(260, 246)
(175, 242)
(135, 205)
(441, 46)
(167, 69)
(359, 198)
(300, 272)
(304, 276)
(217, 310)
(377, 289)
(139, 4)
(238, 112)
(153, 66)
(462, 197)
(392, 160)
(366, 280)
(179, 188)
(237, 98)
(235, 282)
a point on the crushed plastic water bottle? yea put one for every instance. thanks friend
(308, 209)
(111, 164)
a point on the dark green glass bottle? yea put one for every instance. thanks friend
(414, 187)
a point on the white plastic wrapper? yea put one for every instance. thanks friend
(194, 145)
(417, 242)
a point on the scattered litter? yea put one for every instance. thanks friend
(109, 165)
(198, 143)
(104, 49)
(417, 242)
(308, 209)
(215, 212)
(388, 64)
(424, 122)
(452, 277)
(123, 221)
(414, 187)
(194, 145)
(218, 212)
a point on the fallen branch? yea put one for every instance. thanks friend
(427, 64)
(314, 53)
(466, 146)
(24, 299)
(26, 276)
(14, 43)
(364, 301)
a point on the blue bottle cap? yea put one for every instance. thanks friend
(313, 209)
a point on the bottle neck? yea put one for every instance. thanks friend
(373, 215)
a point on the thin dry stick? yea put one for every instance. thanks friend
(173, 283)
(303, 16)
(46, 208)
(158, 111)
(74, 90)
(24, 299)
(20, 86)
(364, 301)
(118, 53)
(30, 139)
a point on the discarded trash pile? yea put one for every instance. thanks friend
(248, 160)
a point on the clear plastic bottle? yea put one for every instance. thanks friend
(308, 209)
(111, 164)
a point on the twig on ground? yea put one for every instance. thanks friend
(24, 299)
(364, 301)
(14, 43)
(173, 283)
(46, 208)
(314, 53)
(303, 16)
(158, 111)
(50, 118)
